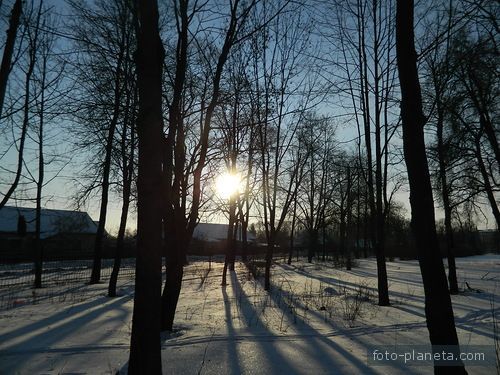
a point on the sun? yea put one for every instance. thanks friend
(228, 185)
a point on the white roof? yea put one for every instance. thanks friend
(216, 232)
(52, 221)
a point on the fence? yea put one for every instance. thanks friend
(61, 279)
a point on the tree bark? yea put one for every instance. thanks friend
(438, 308)
(145, 345)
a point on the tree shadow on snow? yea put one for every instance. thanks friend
(306, 347)
(56, 328)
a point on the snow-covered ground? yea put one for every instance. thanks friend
(317, 320)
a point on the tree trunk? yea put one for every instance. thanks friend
(244, 239)
(39, 183)
(486, 182)
(230, 252)
(491, 135)
(292, 231)
(32, 52)
(145, 344)
(95, 277)
(119, 243)
(347, 240)
(438, 308)
(452, 269)
(269, 260)
(8, 50)
(312, 246)
(174, 265)
(383, 288)
(128, 170)
(127, 182)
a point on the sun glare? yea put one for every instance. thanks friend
(228, 185)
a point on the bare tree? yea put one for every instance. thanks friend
(48, 79)
(179, 218)
(127, 163)
(317, 146)
(145, 347)
(438, 308)
(363, 32)
(276, 80)
(33, 32)
(440, 77)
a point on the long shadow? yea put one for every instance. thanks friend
(46, 338)
(74, 309)
(419, 300)
(233, 361)
(396, 279)
(276, 359)
(351, 334)
(465, 323)
(354, 286)
(313, 336)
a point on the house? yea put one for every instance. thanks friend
(62, 232)
(210, 238)
(210, 232)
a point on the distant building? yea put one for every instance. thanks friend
(217, 232)
(211, 238)
(63, 232)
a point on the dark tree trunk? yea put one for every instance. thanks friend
(145, 344)
(95, 277)
(383, 288)
(438, 308)
(486, 182)
(182, 238)
(174, 222)
(230, 252)
(365, 227)
(452, 269)
(119, 243)
(127, 184)
(269, 260)
(174, 265)
(292, 231)
(347, 238)
(358, 214)
(8, 49)
(244, 240)
(32, 51)
(491, 135)
(39, 183)
(323, 244)
(312, 246)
